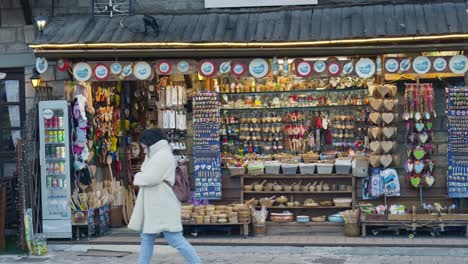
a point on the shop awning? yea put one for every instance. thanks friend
(433, 25)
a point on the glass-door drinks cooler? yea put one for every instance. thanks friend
(55, 168)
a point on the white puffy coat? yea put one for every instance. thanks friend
(157, 208)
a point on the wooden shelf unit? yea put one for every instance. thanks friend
(300, 196)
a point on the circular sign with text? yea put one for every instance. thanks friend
(164, 67)
(365, 68)
(183, 66)
(142, 70)
(63, 65)
(440, 64)
(238, 69)
(116, 68)
(82, 71)
(303, 69)
(421, 64)
(319, 66)
(391, 65)
(458, 64)
(207, 69)
(101, 72)
(258, 68)
(334, 68)
(41, 65)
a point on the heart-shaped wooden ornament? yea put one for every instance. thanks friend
(374, 161)
(386, 160)
(375, 146)
(415, 182)
(389, 104)
(376, 104)
(389, 132)
(392, 90)
(383, 90)
(376, 132)
(375, 118)
(387, 146)
(388, 118)
(419, 154)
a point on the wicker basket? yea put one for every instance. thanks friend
(352, 230)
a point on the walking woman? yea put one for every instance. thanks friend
(157, 209)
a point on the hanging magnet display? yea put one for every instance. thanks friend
(457, 115)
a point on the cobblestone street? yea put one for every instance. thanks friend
(69, 254)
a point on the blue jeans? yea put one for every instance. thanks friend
(175, 239)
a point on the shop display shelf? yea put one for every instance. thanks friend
(305, 224)
(280, 192)
(55, 159)
(352, 89)
(298, 176)
(54, 129)
(305, 207)
(55, 143)
(292, 107)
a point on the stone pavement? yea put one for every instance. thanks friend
(301, 241)
(68, 254)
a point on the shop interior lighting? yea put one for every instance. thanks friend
(35, 78)
(250, 44)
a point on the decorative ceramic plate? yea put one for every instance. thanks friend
(127, 70)
(238, 69)
(458, 64)
(334, 68)
(258, 68)
(116, 68)
(142, 70)
(82, 71)
(365, 68)
(41, 65)
(391, 65)
(303, 69)
(440, 64)
(63, 65)
(348, 67)
(405, 65)
(164, 67)
(183, 66)
(421, 65)
(319, 66)
(225, 67)
(101, 72)
(207, 68)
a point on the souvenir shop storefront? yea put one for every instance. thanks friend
(277, 137)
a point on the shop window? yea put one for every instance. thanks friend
(11, 118)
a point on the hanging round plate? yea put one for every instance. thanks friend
(365, 68)
(458, 64)
(421, 65)
(238, 69)
(258, 68)
(183, 66)
(225, 67)
(303, 68)
(348, 67)
(164, 67)
(391, 65)
(439, 64)
(319, 66)
(334, 68)
(82, 71)
(41, 65)
(63, 65)
(116, 68)
(207, 68)
(127, 70)
(101, 72)
(142, 70)
(405, 65)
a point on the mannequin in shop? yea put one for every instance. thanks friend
(157, 208)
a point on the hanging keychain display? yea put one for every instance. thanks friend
(457, 115)
(418, 114)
